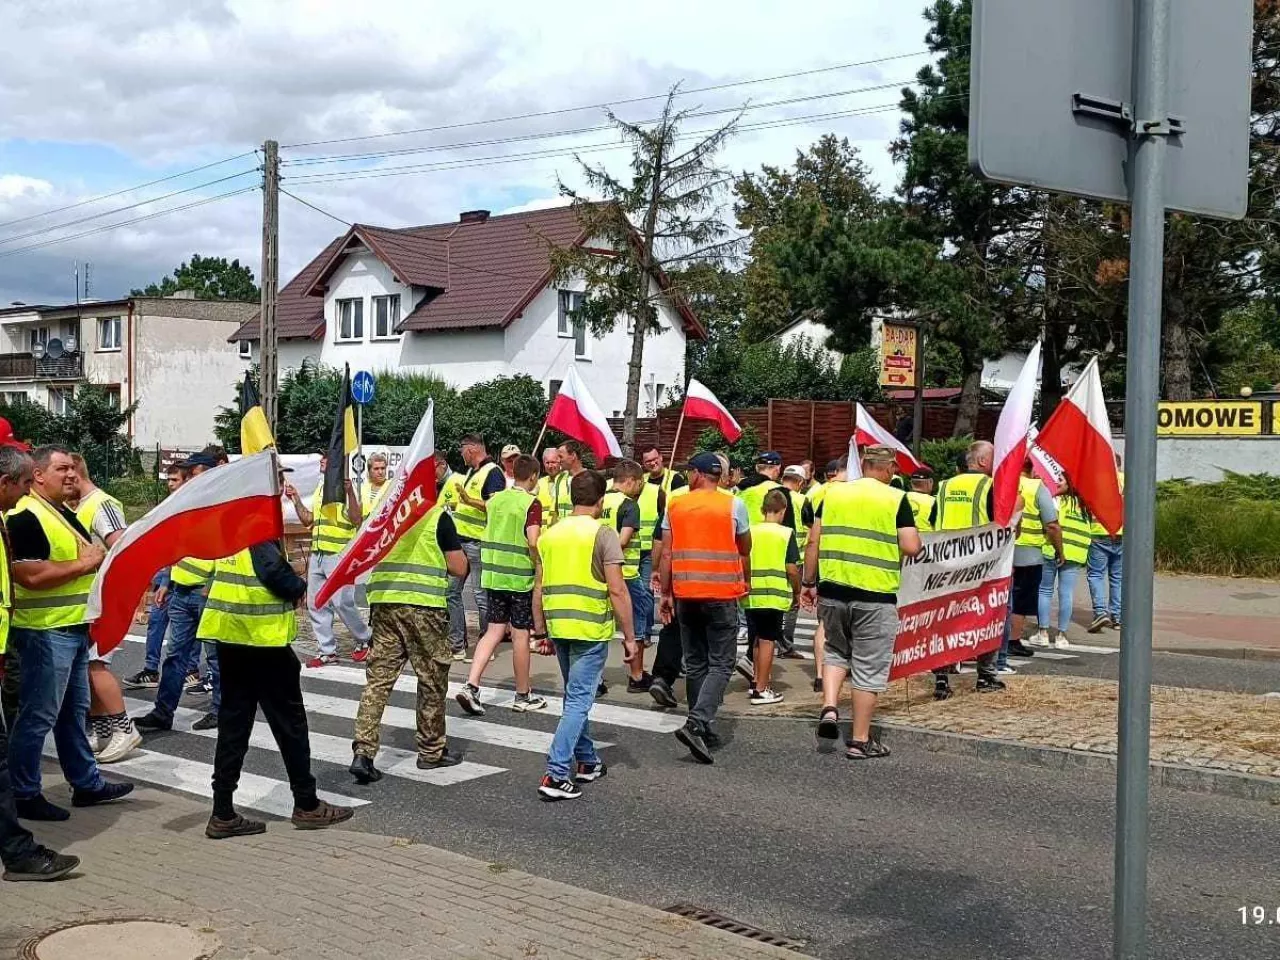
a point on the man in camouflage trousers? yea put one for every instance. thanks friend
(408, 599)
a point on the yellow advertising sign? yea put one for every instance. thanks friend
(1210, 418)
(898, 356)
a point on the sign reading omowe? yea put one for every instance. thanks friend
(1210, 418)
(898, 355)
(953, 598)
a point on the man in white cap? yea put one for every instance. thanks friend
(510, 453)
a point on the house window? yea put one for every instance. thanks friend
(60, 400)
(386, 315)
(553, 388)
(350, 320)
(246, 350)
(113, 397)
(580, 342)
(15, 396)
(108, 333)
(39, 337)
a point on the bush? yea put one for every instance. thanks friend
(93, 427)
(1199, 531)
(742, 453)
(943, 456)
(504, 410)
(744, 375)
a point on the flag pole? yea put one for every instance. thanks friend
(542, 433)
(679, 426)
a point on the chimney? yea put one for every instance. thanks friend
(473, 216)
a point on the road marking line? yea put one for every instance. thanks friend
(1276, 695)
(648, 720)
(1045, 655)
(192, 776)
(391, 760)
(1085, 648)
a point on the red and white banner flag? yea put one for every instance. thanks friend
(1078, 436)
(701, 404)
(1011, 438)
(871, 434)
(854, 460)
(575, 413)
(413, 493)
(1044, 466)
(214, 515)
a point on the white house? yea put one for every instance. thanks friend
(466, 301)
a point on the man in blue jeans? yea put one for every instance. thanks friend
(148, 678)
(54, 562)
(1105, 570)
(583, 595)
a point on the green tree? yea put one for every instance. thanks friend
(743, 451)
(503, 410)
(211, 278)
(663, 216)
(749, 375)
(93, 426)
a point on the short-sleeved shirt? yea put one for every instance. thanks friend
(845, 593)
(677, 481)
(495, 482)
(447, 533)
(628, 515)
(534, 517)
(27, 538)
(741, 519)
(607, 550)
(108, 520)
(1048, 507)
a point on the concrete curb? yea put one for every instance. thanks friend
(1223, 783)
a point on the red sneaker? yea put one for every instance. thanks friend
(323, 660)
(360, 654)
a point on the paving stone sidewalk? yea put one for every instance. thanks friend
(338, 894)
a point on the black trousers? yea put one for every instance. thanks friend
(666, 664)
(16, 843)
(265, 677)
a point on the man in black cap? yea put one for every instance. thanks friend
(920, 496)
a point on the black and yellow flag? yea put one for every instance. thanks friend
(342, 441)
(255, 432)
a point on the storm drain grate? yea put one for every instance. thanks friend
(718, 920)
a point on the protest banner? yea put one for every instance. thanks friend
(954, 598)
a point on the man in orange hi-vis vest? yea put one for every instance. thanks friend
(704, 572)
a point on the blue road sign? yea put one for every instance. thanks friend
(362, 387)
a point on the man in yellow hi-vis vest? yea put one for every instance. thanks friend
(483, 480)
(23, 858)
(54, 563)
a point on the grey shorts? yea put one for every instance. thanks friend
(860, 639)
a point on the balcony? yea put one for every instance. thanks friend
(23, 366)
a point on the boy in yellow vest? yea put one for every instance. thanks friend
(622, 511)
(774, 589)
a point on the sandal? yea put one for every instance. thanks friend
(866, 750)
(324, 815)
(829, 724)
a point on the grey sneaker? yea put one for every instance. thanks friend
(528, 701)
(469, 700)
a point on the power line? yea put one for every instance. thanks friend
(308, 203)
(612, 103)
(141, 186)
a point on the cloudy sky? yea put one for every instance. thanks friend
(100, 98)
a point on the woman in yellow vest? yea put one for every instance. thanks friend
(1074, 519)
(583, 596)
(774, 590)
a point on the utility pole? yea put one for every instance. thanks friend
(268, 370)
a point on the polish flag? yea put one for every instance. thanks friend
(575, 413)
(1078, 436)
(871, 434)
(214, 515)
(854, 459)
(1011, 439)
(412, 494)
(701, 404)
(1044, 466)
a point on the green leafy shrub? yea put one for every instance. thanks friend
(1198, 531)
(943, 456)
(742, 453)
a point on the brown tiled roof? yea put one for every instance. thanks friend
(482, 273)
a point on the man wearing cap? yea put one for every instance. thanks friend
(484, 479)
(705, 569)
(863, 530)
(509, 454)
(920, 496)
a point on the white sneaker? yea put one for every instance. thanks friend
(121, 744)
(765, 697)
(525, 702)
(469, 699)
(95, 744)
(1041, 639)
(1006, 671)
(1061, 642)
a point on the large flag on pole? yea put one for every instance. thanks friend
(342, 441)
(413, 493)
(854, 460)
(575, 413)
(255, 432)
(214, 515)
(1044, 466)
(1011, 438)
(701, 404)
(1078, 436)
(871, 434)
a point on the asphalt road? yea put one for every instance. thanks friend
(917, 856)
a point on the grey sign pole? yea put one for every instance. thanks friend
(1146, 277)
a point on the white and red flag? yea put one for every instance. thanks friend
(701, 404)
(1011, 439)
(575, 413)
(214, 515)
(413, 493)
(854, 460)
(871, 434)
(1078, 436)
(1044, 466)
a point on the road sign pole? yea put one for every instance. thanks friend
(360, 447)
(1146, 278)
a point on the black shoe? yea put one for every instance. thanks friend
(942, 689)
(237, 826)
(151, 724)
(988, 684)
(208, 722)
(692, 739)
(713, 740)
(590, 772)
(662, 693)
(364, 771)
(817, 684)
(143, 680)
(551, 789)
(1020, 649)
(829, 724)
(104, 794)
(602, 689)
(791, 654)
(38, 808)
(447, 759)
(42, 864)
(639, 686)
(194, 683)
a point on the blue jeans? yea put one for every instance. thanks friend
(1066, 577)
(185, 608)
(157, 627)
(54, 695)
(581, 664)
(1106, 569)
(642, 599)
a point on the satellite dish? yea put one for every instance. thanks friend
(54, 349)
(69, 341)
(37, 351)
